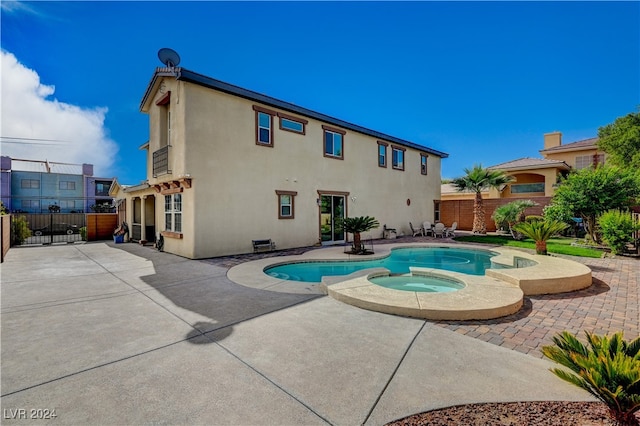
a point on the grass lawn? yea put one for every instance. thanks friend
(555, 245)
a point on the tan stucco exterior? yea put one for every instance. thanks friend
(228, 182)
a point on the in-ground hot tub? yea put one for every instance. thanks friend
(418, 283)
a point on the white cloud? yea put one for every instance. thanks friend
(36, 127)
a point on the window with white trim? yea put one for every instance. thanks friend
(397, 158)
(173, 213)
(333, 142)
(286, 204)
(382, 154)
(264, 126)
(423, 164)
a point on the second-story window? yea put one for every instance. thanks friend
(292, 124)
(423, 164)
(333, 142)
(64, 184)
(30, 183)
(397, 158)
(382, 154)
(264, 126)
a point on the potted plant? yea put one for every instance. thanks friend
(357, 225)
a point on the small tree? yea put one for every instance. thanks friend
(478, 179)
(511, 213)
(609, 370)
(590, 192)
(617, 229)
(540, 232)
(357, 225)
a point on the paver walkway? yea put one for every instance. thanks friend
(611, 304)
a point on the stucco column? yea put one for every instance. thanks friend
(143, 219)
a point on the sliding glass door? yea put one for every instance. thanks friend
(331, 215)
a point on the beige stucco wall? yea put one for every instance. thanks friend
(234, 181)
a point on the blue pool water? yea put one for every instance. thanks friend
(467, 261)
(418, 283)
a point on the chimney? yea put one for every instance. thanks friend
(87, 169)
(552, 140)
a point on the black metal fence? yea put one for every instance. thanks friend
(47, 228)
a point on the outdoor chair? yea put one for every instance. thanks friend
(439, 230)
(428, 228)
(451, 232)
(415, 231)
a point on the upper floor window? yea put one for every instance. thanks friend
(64, 184)
(30, 183)
(333, 142)
(264, 126)
(382, 154)
(286, 204)
(423, 164)
(173, 213)
(102, 188)
(397, 157)
(292, 124)
(584, 161)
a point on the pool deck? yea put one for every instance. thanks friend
(497, 294)
(122, 334)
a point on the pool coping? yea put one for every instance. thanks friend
(498, 293)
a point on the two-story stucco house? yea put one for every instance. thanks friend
(227, 165)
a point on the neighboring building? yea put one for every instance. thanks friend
(31, 186)
(535, 179)
(226, 165)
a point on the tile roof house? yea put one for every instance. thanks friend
(227, 165)
(535, 178)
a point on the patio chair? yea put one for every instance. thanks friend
(427, 228)
(415, 231)
(451, 232)
(439, 230)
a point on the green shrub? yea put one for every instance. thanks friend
(83, 233)
(533, 218)
(609, 370)
(617, 229)
(19, 230)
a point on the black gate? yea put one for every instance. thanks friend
(47, 228)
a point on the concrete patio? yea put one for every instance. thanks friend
(123, 334)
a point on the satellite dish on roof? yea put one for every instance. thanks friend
(169, 57)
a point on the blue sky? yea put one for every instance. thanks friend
(482, 81)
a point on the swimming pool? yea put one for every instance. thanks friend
(464, 260)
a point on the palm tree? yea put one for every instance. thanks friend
(357, 225)
(540, 231)
(476, 180)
